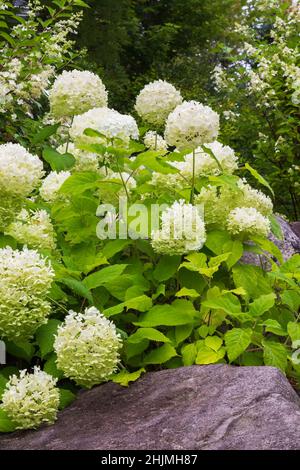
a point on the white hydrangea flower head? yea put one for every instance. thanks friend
(20, 171)
(205, 165)
(169, 181)
(25, 280)
(254, 198)
(75, 92)
(156, 101)
(31, 399)
(34, 229)
(84, 161)
(51, 185)
(248, 222)
(191, 124)
(87, 347)
(182, 230)
(154, 141)
(108, 122)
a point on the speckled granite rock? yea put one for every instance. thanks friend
(296, 228)
(198, 407)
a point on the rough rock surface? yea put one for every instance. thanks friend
(198, 407)
(289, 246)
(296, 228)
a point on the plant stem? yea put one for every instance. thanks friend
(68, 141)
(193, 178)
(122, 179)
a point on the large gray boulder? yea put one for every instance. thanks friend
(198, 407)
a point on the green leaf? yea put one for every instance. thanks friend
(45, 336)
(66, 397)
(51, 368)
(183, 332)
(206, 355)
(275, 354)
(134, 349)
(237, 341)
(141, 303)
(216, 239)
(258, 177)
(294, 333)
(252, 279)
(78, 183)
(275, 227)
(166, 267)
(21, 349)
(104, 276)
(213, 342)
(273, 326)
(77, 287)
(262, 304)
(160, 355)
(124, 377)
(57, 161)
(147, 333)
(269, 246)
(6, 424)
(44, 133)
(115, 310)
(185, 292)
(228, 302)
(6, 240)
(115, 246)
(189, 353)
(166, 315)
(3, 382)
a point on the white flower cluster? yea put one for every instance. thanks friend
(205, 164)
(31, 399)
(191, 124)
(25, 280)
(51, 185)
(33, 229)
(156, 100)
(20, 172)
(154, 141)
(219, 202)
(248, 221)
(76, 92)
(182, 230)
(87, 346)
(108, 122)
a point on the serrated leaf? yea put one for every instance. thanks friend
(45, 336)
(57, 161)
(213, 342)
(293, 329)
(160, 355)
(258, 177)
(166, 267)
(21, 349)
(141, 303)
(166, 315)
(237, 341)
(77, 287)
(262, 304)
(147, 333)
(124, 377)
(206, 355)
(275, 354)
(189, 353)
(51, 368)
(104, 276)
(185, 292)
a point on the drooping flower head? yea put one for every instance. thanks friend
(33, 229)
(87, 347)
(248, 221)
(76, 92)
(51, 185)
(156, 101)
(25, 280)
(31, 399)
(191, 124)
(182, 230)
(108, 122)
